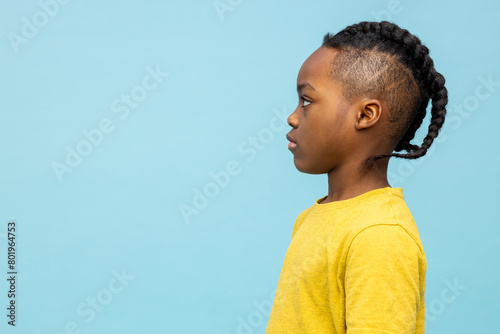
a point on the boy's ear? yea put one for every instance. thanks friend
(368, 114)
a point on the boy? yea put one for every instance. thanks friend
(356, 263)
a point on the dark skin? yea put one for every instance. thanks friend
(333, 135)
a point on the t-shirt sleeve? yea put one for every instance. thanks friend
(382, 281)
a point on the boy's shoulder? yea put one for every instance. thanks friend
(300, 218)
(385, 206)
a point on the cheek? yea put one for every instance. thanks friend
(324, 134)
(334, 130)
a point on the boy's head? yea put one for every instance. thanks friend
(362, 95)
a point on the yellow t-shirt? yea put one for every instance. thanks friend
(353, 266)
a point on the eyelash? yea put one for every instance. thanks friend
(304, 100)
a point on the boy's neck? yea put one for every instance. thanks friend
(347, 182)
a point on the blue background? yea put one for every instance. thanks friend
(230, 73)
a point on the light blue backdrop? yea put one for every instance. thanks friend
(145, 163)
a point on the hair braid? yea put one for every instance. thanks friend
(433, 88)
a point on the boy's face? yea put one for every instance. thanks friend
(323, 124)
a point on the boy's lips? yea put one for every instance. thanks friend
(292, 144)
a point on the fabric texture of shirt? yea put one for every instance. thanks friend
(353, 266)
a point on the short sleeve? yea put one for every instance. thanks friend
(383, 281)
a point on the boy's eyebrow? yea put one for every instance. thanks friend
(305, 85)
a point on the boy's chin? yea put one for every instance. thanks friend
(307, 168)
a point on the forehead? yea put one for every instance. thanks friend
(317, 67)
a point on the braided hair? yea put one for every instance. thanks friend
(382, 58)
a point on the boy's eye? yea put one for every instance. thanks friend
(305, 101)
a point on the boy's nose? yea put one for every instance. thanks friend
(293, 119)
